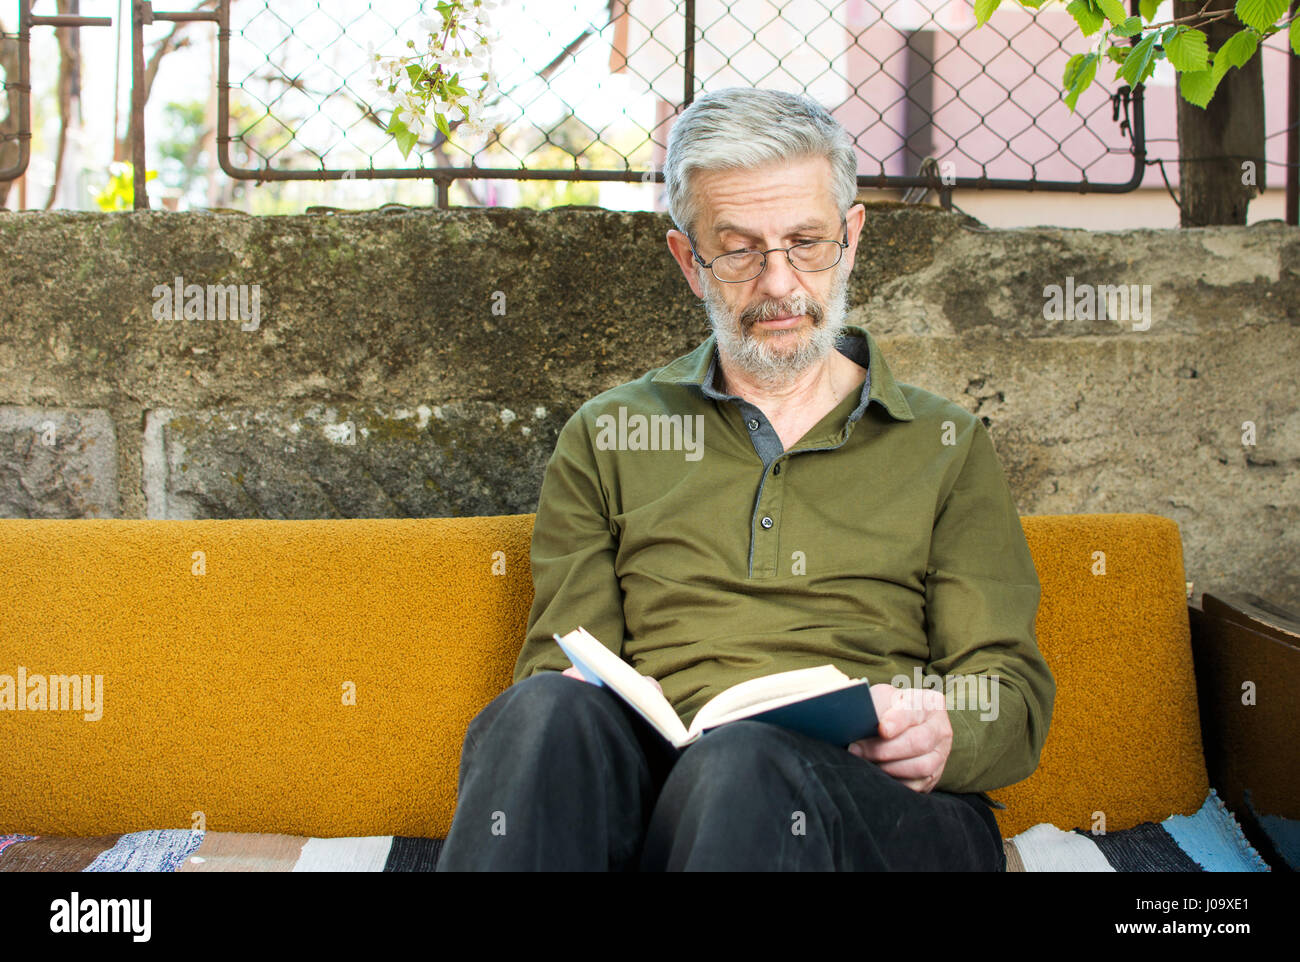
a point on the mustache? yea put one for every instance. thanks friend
(772, 309)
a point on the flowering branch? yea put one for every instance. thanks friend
(452, 73)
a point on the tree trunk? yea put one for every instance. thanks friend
(1221, 148)
(68, 85)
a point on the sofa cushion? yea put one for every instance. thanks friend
(1124, 745)
(315, 678)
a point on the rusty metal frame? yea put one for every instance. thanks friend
(27, 20)
(441, 176)
(1129, 101)
(142, 12)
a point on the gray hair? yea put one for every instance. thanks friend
(743, 128)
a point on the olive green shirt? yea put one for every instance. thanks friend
(674, 526)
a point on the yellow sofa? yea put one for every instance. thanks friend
(315, 678)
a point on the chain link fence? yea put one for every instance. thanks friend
(589, 90)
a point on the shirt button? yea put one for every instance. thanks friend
(753, 424)
(766, 522)
(776, 469)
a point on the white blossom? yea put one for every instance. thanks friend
(467, 55)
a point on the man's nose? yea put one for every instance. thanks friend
(780, 280)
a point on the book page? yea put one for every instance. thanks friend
(590, 655)
(770, 691)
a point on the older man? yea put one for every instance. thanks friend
(804, 509)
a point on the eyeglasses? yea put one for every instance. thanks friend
(810, 256)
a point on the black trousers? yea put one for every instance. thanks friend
(560, 775)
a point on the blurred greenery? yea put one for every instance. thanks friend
(184, 164)
(119, 192)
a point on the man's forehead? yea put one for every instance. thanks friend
(808, 225)
(787, 199)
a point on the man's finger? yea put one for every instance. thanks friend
(912, 769)
(899, 721)
(913, 742)
(905, 707)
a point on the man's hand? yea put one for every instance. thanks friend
(914, 736)
(574, 673)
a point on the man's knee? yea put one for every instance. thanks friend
(553, 692)
(544, 702)
(741, 756)
(732, 801)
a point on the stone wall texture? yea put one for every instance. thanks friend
(420, 363)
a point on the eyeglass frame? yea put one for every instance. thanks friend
(843, 246)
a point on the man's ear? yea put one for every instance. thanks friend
(855, 220)
(680, 246)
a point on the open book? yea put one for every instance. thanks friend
(822, 702)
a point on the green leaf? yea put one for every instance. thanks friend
(1072, 70)
(1117, 53)
(1198, 86)
(1131, 27)
(983, 10)
(1113, 9)
(1141, 62)
(441, 121)
(1086, 15)
(1237, 49)
(1079, 73)
(415, 72)
(1032, 4)
(1295, 35)
(405, 139)
(1188, 50)
(1260, 13)
(1148, 9)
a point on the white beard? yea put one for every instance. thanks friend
(762, 359)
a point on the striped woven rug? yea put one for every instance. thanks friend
(1211, 841)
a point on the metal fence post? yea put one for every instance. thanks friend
(26, 20)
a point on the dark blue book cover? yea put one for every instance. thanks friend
(839, 717)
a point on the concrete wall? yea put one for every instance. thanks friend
(420, 363)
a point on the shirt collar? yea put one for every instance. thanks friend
(699, 368)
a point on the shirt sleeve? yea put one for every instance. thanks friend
(573, 553)
(982, 595)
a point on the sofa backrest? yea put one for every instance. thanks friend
(1124, 745)
(317, 677)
